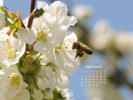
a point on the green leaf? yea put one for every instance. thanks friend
(18, 24)
(12, 15)
(5, 12)
(12, 26)
(38, 12)
(18, 13)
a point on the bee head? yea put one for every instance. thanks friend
(75, 45)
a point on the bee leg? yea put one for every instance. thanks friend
(76, 56)
(79, 53)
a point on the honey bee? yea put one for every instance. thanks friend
(81, 49)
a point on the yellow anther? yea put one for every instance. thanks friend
(58, 48)
(57, 13)
(42, 35)
(15, 79)
(11, 51)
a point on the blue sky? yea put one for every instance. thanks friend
(117, 12)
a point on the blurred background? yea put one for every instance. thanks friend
(106, 26)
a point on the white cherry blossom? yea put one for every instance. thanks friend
(82, 11)
(36, 75)
(2, 20)
(62, 55)
(26, 35)
(11, 49)
(11, 81)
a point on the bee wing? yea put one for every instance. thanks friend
(86, 49)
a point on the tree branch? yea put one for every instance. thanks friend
(33, 2)
(30, 20)
(32, 7)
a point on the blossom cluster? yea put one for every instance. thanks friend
(115, 47)
(105, 37)
(35, 61)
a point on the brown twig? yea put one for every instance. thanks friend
(33, 2)
(30, 20)
(22, 23)
(32, 7)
